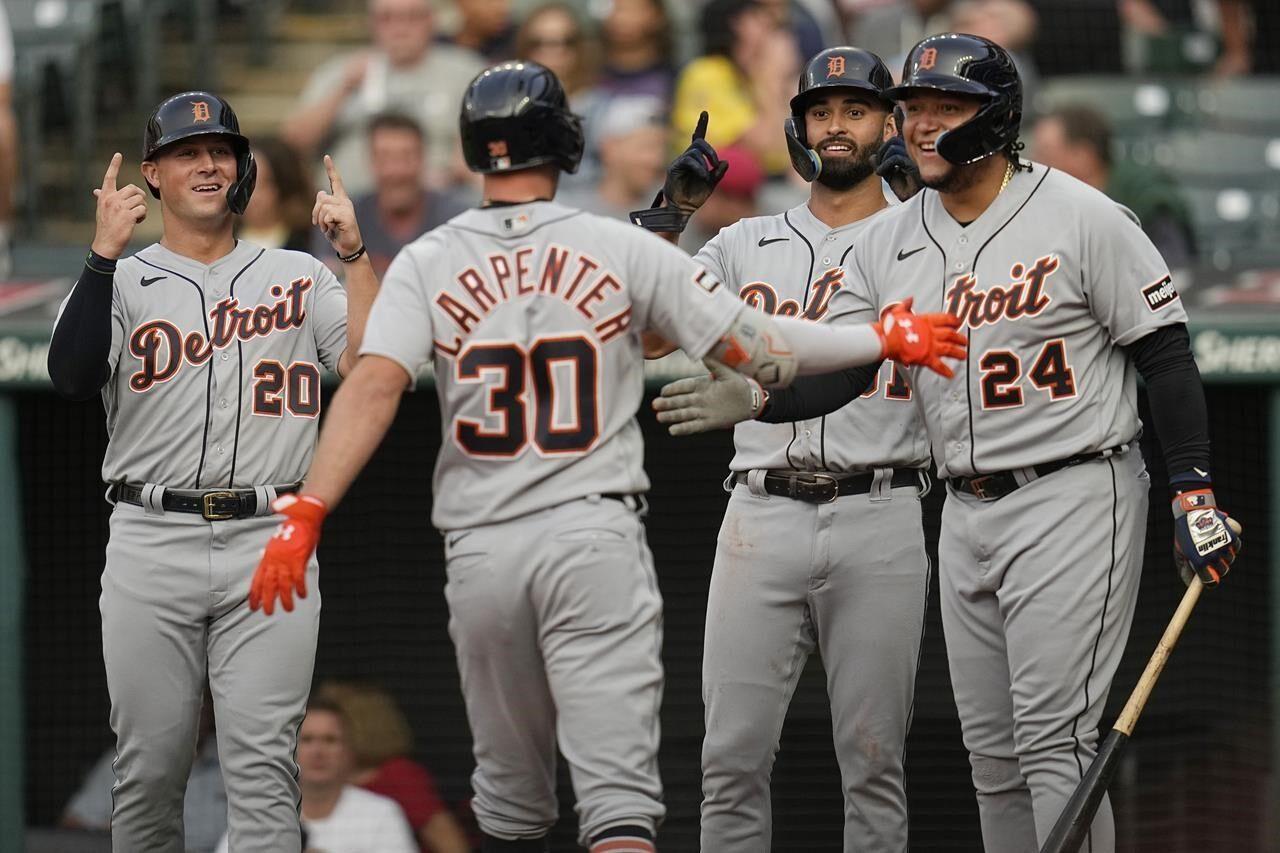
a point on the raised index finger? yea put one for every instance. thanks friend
(700, 131)
(335, 180)
(113, 169)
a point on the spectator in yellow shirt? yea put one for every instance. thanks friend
(744, 81)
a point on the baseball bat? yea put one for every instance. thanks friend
(1077, 815)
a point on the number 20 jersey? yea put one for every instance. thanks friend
(533, 314)
(1051, 282)
(215, 369)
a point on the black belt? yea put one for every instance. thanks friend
(820, 487)
(991, 487)
(213, 505)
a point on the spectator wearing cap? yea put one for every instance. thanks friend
(1077, 140)
(745, 82)
(401, 207)
(631, 145)
(402, 71)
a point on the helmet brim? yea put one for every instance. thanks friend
(949, 85)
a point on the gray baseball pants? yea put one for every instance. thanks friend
(174, 611)
(557, 623)
(1038, 592)
(850, 578)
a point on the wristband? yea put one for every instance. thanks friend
(97, 263)
(354, 256)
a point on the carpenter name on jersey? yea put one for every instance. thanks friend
(215, 376)
(793, 264)
(1051, 282)
(533, 315)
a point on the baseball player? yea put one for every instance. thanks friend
(1065, 301)
(844, 487)
(207, 352)
(532, 313)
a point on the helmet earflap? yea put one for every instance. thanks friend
(804, 159)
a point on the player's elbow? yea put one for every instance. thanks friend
(74, 382)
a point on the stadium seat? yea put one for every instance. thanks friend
(1210, 157)
(1233, 221)
(1135, 107)
(1246, 104)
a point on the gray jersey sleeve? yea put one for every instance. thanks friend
(399, 326)
(1129, 288)
(678, 296)
(329, 322)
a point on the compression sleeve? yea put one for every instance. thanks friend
(78, 352)
(1175, 393)
(815, 396)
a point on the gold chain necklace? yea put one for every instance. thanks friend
(1008, 176)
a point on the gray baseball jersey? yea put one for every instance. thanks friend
(1050, 283)
(214, 383)
(792, 264)
(1039, 585)
(855, 591)
(534, 313)
(216, 369)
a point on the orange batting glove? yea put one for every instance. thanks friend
(924, 339)
(282, 571)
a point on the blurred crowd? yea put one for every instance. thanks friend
(639, 72)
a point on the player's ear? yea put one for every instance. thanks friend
(890, 127)
(151, 174)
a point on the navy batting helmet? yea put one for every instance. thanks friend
(202, 114)
(968, 65)
(835, 67)
(515, 115)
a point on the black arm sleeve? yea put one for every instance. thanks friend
(814, 396)
(1176, 396)
(82, 338)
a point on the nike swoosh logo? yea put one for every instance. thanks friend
(764, 242)
(1201, 473)
(147, 282)
(902, 256)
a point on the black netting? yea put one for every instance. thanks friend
(1193, 777)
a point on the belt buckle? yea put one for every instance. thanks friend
(977, 485)
(206, 506)
(824, 481)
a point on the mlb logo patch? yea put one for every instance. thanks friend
(1160, 294)
(515, 223)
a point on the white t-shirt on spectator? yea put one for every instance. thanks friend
(361, 822)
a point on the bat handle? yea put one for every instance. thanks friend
(1128, 718)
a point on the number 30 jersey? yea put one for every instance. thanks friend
(1051, 282)
(533, 315)
(215, 369)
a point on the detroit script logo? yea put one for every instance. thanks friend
(163, 349)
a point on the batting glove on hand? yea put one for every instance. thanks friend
(703, 403)
(1205, 539)
(923, 339)
(282, 571)
(691, 178)
(892, 163)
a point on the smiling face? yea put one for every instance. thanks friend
(929, 114)
(846, 127)
(193, 176)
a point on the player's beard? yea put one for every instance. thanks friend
(843, 173)
(957, 178)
